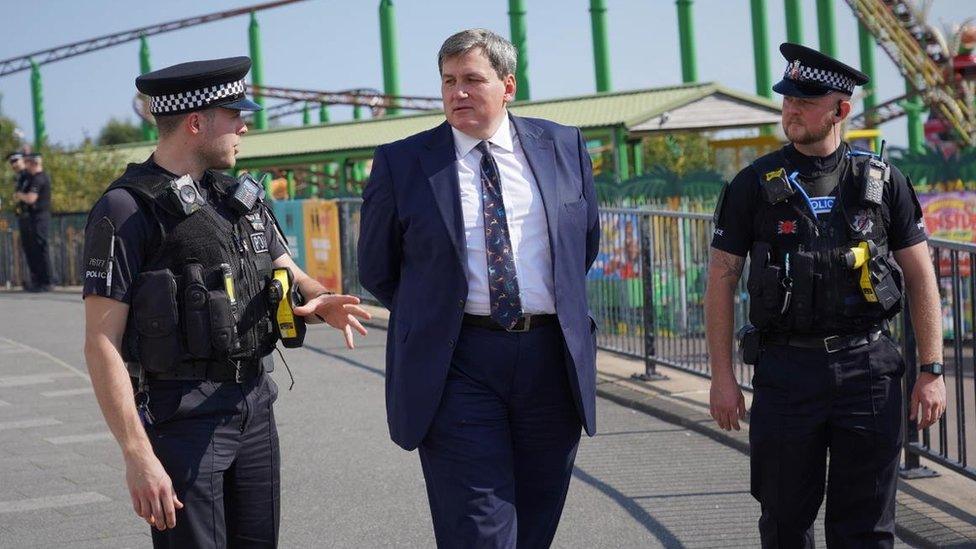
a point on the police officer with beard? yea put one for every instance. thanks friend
(835, 239)
(183, 303)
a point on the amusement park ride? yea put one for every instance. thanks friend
(942, 73)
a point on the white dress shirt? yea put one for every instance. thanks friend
(526, 216)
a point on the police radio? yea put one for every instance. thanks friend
(876, 173)
(246, 194)
(285, 296)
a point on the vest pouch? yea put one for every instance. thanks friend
(887, 280)
(196, 312)
(802, 309)
(222, 336)
(156, 316)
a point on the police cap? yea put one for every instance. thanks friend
(810, 73)
(198, 85)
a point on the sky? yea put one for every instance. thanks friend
(335, 45)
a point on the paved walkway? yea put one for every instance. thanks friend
(642, 482)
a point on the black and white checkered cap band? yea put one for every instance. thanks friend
(194, 99)
(834, 80)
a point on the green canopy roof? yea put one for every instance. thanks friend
(637, 110)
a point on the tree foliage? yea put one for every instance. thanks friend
(678, 153)
(930, 170)
(118, 132)
(10, 141)
(79, 177)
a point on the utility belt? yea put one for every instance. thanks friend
(752, 341)
(237, 371)
(192, 320)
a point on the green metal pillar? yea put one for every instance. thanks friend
(638, 158)
(257, 72)
(794, 21)
(357, 112)
(867, 45)
(516, 24)
(290, 177)
(148, 130)
(601, 51)
(620, 154)
(323, 113)
(37, 99)
(826, 28)
(916, 127)
(686, 41)
(760, 48)
(306, 115)
(391, 78)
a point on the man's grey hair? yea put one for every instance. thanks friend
(499, 51)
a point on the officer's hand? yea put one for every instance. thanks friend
(726, 402)
(153, 497)
(338, 311)
(928, 400)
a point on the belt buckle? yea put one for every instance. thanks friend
(828, 341)
(526, 324)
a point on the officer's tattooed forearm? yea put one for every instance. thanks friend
(731, 265)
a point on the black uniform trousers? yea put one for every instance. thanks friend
(807, 404)
(219, 444)
(33, 238)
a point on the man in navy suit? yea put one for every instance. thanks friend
(477, 236)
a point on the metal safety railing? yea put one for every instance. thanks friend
(66, 243)
(950, 442)
(656, 261)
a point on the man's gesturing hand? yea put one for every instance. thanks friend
(153, 497)
(338, 311)
(726, 402)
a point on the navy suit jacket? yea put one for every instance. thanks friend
(412, 257)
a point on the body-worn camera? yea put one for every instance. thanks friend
(776, 186)
(184, 195)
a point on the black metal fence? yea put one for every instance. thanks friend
(949, 443)
(66, 243)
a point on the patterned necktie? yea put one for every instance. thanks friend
(503, 287)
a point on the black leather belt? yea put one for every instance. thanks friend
(231, 370)
(526, 323)
(831, 344)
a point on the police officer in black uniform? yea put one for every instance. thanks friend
(835, 238)
(33, 206)
(19, 169)
(186, 296)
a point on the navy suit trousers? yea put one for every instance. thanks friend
(499, 455)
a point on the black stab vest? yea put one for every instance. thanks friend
(795, 253)
(210, 236)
